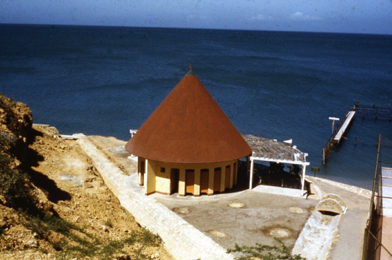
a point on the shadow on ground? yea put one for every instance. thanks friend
(31, 159)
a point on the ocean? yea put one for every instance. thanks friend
(278, 85)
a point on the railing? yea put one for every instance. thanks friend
(372, 244)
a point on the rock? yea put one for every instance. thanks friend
(32, 243)
(105, 228)
(87, 185)
(90, 178)
(103, 189)
(97, 184)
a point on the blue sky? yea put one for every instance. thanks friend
(351, 16)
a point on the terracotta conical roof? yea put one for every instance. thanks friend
(188, 127)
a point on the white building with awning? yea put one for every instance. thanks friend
(272, 151)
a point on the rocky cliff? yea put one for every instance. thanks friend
(53, 202)
(15, 134)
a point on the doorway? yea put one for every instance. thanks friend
(189, 181)
(204, 179)
(174, 179)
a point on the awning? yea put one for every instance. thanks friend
(270, 150)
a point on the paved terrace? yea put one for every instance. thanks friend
(204, 227)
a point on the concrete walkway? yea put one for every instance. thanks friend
(180, 238)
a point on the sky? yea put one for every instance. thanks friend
(342, 16)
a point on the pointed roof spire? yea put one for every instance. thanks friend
(190, 72)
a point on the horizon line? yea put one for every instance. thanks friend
(195, 28)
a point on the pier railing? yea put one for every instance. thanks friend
(373, 246)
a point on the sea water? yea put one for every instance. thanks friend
(279, 85)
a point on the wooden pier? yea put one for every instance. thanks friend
(338, 133)
(344, 126)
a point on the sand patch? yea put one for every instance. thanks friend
(236, 205)
(182, 210)
(296, 210)
(217, 233)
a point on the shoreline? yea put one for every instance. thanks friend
(348, 187)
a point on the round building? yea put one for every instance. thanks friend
(188, 145)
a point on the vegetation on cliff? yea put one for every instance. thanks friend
(15, 126)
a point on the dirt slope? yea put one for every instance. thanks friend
(81, 216)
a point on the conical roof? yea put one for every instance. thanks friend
(188, 127)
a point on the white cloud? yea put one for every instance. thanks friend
(261, 17)
(299, 16)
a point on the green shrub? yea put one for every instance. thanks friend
(112, 247)
(146, 237)
(265, 252)
(7, 104)
(107, 250)
(14, 185)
